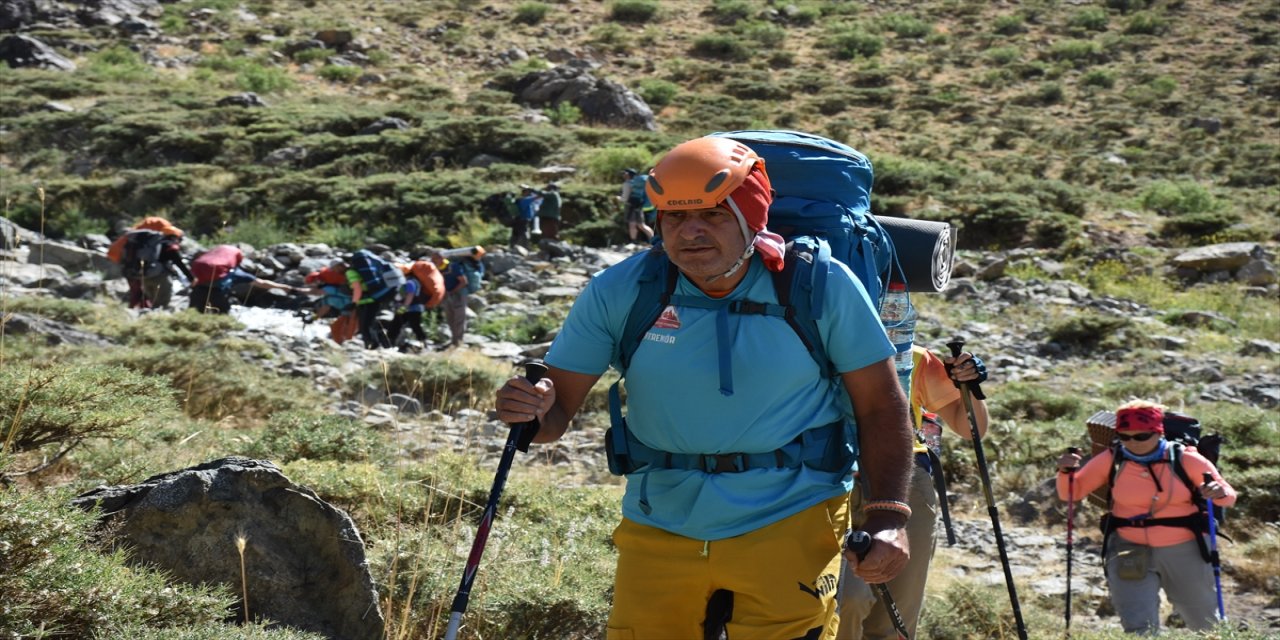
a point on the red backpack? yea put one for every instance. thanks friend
(214, 264)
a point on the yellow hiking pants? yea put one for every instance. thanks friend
(782, 577)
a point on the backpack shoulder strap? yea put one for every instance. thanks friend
(657, 283)
(1180, 470)
(800, 288)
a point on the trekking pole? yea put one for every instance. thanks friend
(859, 542)
(1071, 524)
(955, 346)
(1213, 551)
(940, 487)
(518, 438)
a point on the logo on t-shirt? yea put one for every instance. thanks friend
(668, 319)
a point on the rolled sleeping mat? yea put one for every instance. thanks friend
(925, 250)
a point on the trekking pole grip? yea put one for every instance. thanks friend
(534, 370)
(957, 345)
(859, 542)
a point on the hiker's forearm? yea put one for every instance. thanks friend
(884, 431)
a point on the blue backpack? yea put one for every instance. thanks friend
(822, 208)
(378, 276)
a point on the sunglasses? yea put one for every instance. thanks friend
(1140, 437)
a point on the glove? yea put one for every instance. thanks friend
(980, 368)
(402, 310)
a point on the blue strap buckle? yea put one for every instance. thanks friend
(723, 462)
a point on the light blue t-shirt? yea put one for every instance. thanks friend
(674, 401)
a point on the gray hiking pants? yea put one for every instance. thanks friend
(1186, 578)
(455, 313)
(862, 616)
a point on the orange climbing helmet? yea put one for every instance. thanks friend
(700, 173)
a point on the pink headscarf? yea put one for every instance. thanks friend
(750, 202)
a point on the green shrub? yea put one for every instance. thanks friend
(437, 382)
(255, 231)
(563, 113)
(1089, 332)
(633, 10)
(854, 43)
(721, 46)
(905, 26)
(606, 164)
(657, 92)
(749, 89)
(1128, 6)
(1024, 401)
(119, 63)
(1009, 25)
(1103, 78)
(1089, 19)
(260, 79)
(306, 56)
(765, 34)
(729, 12)
(1177, 198)
(340, 73)
(1198, 225)
(54, 409)
(1146, 23)
(312, 435)
(1003, 55)
(1077, 52)
(531, 12)
(55, 583)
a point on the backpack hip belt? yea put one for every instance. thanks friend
(822, 448)
(1196, 522)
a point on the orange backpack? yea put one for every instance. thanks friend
(431, 280)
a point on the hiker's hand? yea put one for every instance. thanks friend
(1069, 462)
(966, 367)
(521, 401)
(889, 549)
(1213, 490)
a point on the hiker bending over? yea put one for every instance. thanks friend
(933, 391)
(1156, 525)
(216, 271)
(738, 450)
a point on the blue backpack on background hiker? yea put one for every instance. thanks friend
(378, 276)
(822, 207)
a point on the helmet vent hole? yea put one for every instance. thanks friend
(716, 180)
(656, 186)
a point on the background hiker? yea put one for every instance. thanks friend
(373, 281)
(1155, 526)
(148, 255)
(527, 210)
(933, 390)
(549, 211)
(216, 271)
(462, 276)
(408, 313)
(739, 451)
(633, 201)
(330, 283)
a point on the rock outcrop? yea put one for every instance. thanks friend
(303, 559)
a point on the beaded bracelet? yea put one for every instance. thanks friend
(896, 506)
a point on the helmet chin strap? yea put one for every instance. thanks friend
(746, 235)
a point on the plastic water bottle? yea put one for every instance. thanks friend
(931, 431)
(899, 319)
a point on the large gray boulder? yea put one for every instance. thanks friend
(14, 14)
(70, 257)
(304, 558)
(24, 51)
(601, 101)
(54, 332)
